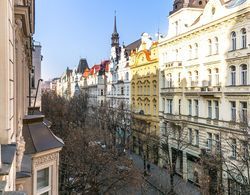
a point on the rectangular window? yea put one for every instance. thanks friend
(179, 106)
(233, 147)
(43, 181)
(233, 111)
(170, 109)
(209, 141)
(163, 105)
(217, 142)
(190, 107)
(197, 137)
(122, 91)
(243, 113)
(190, 137)
(196, 105)
(209, 108)
(216, 109)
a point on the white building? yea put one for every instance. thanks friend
(204, 85)
(118, 81)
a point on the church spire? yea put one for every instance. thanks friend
(115, 35)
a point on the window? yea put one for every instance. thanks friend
(122, 91)
(209, 107)
(243, 38)
(127, 90)
(163, 104)
(154, 109)
(209, 47)
(190, 136)
(190, 107)
(233, 111)
(217, 77)
(216, 109)
(209, 77)
(196, 106)
(245, 150)
(216, 44)
(169, 80)
(190, 52)
(163, 80)
(196, 50)
(127, 76)
(190, 79)
(32, 75)
(197, 137)
(155, 88)
(217, 142)
(209, 141)
(243, 68)
(196, 78)
(43, 181)
(179, 79)
(243, 112)
(233, 75)
(169, 101)
(101, 91)
(233, 39)
(233, 147)
(180, 106)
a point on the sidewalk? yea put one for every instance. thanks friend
(160, 179)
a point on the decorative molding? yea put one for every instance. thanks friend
(45, 159)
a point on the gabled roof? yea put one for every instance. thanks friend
(133, 46)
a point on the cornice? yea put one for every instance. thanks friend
(23, 11)
(210, 26)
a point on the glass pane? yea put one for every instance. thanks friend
(42, 178)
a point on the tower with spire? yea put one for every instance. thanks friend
(115, 35)
(115, 46)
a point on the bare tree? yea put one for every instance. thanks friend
(173, 142)
(87, 165)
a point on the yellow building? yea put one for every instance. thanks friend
(144, 98)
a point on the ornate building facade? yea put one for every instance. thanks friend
(19, 174)
(145, 99)
(204, 89)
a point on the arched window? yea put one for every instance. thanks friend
(243, 38)
(233, 39)
(217, 77)
(196, 77)
(209, 47)
(232, 75)
(190, 52)
(216, 45)
(196, 50)
(243, 70)
(209, 71)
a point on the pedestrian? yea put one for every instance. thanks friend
(148, 167)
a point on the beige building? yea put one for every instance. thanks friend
(16, 30)
(204, 90)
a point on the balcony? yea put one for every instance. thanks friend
(171, 90)
(173, 64)
(206, 121)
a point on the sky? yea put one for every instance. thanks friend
(72, 29)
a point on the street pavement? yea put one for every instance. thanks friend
(158, 181)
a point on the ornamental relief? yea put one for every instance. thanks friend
(45, 159)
